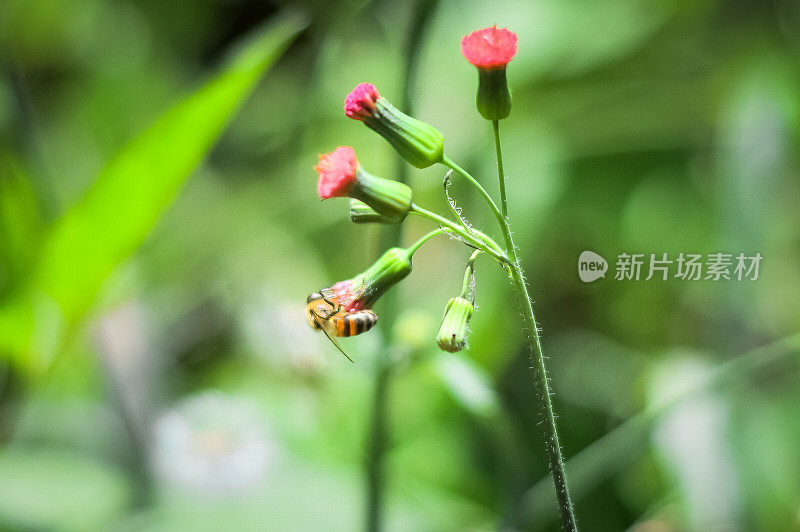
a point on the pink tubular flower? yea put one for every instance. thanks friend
(347, 295)
(360, 103)
(337, 172)
(489, 48)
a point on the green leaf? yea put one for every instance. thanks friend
(129, 195)
(19, 223)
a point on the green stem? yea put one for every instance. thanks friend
(542, 388)
(538, 367)
(510, 251)
(479, 240)
(416, 245)
(466, 175)
(500, 174)
(465, 286)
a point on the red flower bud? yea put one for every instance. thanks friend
(360, 103)
(489, 48)
(337, 172)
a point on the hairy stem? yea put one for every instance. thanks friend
(547, 412)
(538, 367)
(616, 449)
(474, 182)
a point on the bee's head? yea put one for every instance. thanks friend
(313, 297)
(312, 318)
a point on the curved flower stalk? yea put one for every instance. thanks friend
(379, 200)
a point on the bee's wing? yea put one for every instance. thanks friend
(328, 330)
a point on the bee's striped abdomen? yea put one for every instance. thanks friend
(355, 323)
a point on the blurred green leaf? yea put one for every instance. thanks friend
(19, 222)
(134, 188)
(48, 489)
(468, 384)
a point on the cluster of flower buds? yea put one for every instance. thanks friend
(384, 201)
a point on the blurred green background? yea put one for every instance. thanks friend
(159, 232)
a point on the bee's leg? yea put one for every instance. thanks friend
(335, 306)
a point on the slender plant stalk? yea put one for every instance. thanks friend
(377, 441)
(416, 245)
(436, 232)
(475, 238)
(378, 436)
(500, 174)
(538, 368)
(469, 273)
(542, 388)
(474, 182)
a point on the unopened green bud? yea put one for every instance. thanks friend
(418, 143)
(361, 213)
(452, 335)
(390, 199)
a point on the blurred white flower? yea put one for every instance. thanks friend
(277, 331)
(212, 444)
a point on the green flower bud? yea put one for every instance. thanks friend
(418, 143)
(361, 213)
(390, 199)
(452, 335)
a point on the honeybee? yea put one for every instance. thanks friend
(324, 312)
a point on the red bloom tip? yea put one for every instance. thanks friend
(360, 103)
(337, 172)
(490, 47)
(347, 295)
